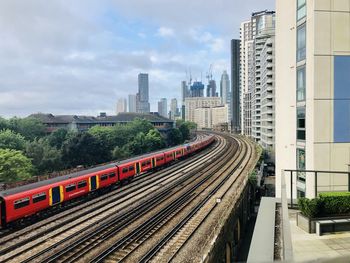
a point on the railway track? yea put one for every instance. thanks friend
(123, 248)
(15, 253)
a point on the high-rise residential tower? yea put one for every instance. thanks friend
(121, 105)
(235, 87)
(173, 109)
(185, 93)
(313, 94)
(197, 89)
(211, 88)
(163, 107)
(143, 105)
(132, 103)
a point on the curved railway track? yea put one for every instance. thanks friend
(23, 248)
(150, 220)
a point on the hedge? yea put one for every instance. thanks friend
(328, 204)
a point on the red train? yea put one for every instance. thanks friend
(29, 199)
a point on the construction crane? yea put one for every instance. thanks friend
(210, 73)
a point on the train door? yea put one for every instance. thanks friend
(138, 170)
(56, 195)
(93, 180)
(174, 155)
(154, 164)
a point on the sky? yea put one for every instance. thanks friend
(79, 57)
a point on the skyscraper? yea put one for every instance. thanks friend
(121, 105)
(235, 87)
(184, 91)
(211, 88)
(132, 103)
(163, 107)
(197, 89)
(224, 87)
(143, 94)
(173, 109)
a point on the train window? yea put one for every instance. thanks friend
(39, 197)
(104, 177)
(21, 203)
(70, 188)
(111, 175)
(125, 170)
(131, 168)
(143, 164)
(82, 184)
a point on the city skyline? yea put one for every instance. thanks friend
(86, 62)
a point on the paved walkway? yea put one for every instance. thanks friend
(310, 247)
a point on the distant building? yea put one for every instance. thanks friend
(197, 89)
(132, 103)
(174, 111)
(121, 105)
(143, 105)
(211, 88)
(163, 107)
(235, 86)
(224, 87)
(83, 123)
(185, 93)
(194, 103)
(208, 117)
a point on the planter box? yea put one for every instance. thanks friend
(306, 224)
(309, 224)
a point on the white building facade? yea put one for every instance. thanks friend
(199, 102)
(121, 105)
(313, 93)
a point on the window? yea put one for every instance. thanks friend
(131, 168)
(104, 177)
(301, 9)
(70, 188)
(301, 42)
(125, 170)
(301, 84)
(21, 203)
(143, 164)
(301, 123)
(39, 197)
(341, 99)
(82, 184)
(111, 175)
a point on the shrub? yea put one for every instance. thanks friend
(335, 203)
(310, 207)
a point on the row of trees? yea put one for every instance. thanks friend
(26, 150)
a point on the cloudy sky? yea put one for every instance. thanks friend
(79, 57)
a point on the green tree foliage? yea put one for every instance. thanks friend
(58, 137)
(138, 144)
(154, 141)
(4, 124)
(45, 158)
(105, 134)
(14, 166)
(174, 137)
(84, 149)
(140, 125)
(11, 140)
(119, 153)
(30, 128)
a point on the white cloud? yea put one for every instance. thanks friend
(165, 32)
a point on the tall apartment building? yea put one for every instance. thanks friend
(211, 88)
(132, 103)
(163, 107)
(174, 111)
(197, 89)
(185, 93)
(257, 78)
(313, 95)
(121, 105)
(199, 102)
(143, 105)
(235, 87)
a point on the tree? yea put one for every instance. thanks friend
(185, 128)
(58, 137)
(4, 124)
(119, 153)
(29, 127)
(14, 166)
(138, 144)
(84, 149)
(140, 125)
(11, 140)
(107, 135)
(154, 141)
(174, 137)
(45, 158)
